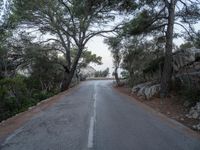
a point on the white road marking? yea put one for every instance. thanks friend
(91, 133)
(92, 123)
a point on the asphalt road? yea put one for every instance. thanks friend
(95, 116)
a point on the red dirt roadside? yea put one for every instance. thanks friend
(172, 107)
(11, 124)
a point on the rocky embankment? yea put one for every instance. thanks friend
(186, 72)
(195, 114)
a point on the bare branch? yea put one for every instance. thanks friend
(91, 35)
(166, 3)
(48, 40)
(188, 32)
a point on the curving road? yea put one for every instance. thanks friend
(95, 116)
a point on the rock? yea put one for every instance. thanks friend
(141, 91)
(186, 65)
(147, 89)
(182, 119)
(152, 90)
(194, 112)
(183, 57)
(87, 72)
(30, 108)
(168, 113)
(2, 122)
(196, 127)
(123, 82)
(198, 106)
(136, 88)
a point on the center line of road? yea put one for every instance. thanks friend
(92, 123)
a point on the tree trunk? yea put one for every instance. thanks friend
(68, 75)
(116, 76)
(66, 81)
(167, 70)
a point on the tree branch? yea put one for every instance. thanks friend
(188, 32)
(91, 35)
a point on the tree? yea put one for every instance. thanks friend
(186, 45)
(197, 40)
(70, 23)
(86, 58)
(7, 24)
(103, 73)
(42, 62)
(155, 16)
(192, 40)
(115, 47)
(138, 54)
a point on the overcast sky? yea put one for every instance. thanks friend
(97, 46)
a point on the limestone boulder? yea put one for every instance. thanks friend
(194, 112)
(146, 90)
(184, 57)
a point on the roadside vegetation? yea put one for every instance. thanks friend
(102, 73)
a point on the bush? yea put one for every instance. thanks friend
(19, 93)
(125, 74)
(192, 95)
(13, 96)
(38, 96)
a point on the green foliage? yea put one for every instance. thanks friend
(13, 95)
(87, 57)
(125, 74)
(41, 95)
(154, 66)
(115, 47)
(15, 85)
(142, 59)
(139, 25)
(197, 40)
(127, 5)
(103, 73)
(186, 45)
(91, 58)
(192, 95)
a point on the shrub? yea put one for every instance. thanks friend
(19, 93)
(192, 95)
(14, 96)
(38, 96)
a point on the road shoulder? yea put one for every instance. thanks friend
(170, 121)
(11, 124)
